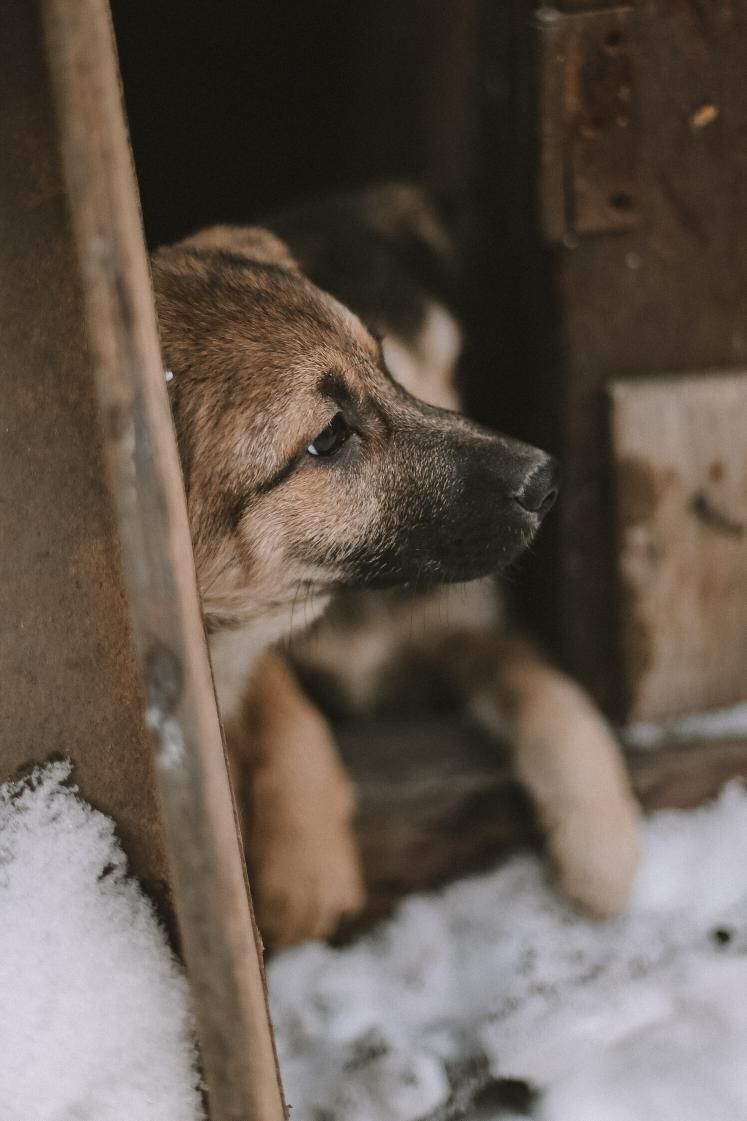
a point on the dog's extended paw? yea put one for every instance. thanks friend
(306, 871)
(595, 849)
(304, 893)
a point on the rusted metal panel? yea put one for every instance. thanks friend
(680, 467)
(669, 295)
(588, 141)
(219, 938)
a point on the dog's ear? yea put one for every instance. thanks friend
(253, 242)
(403, 210)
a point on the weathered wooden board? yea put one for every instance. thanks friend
(68, 680)
(679, 449)
(71, 681)
(211, 898)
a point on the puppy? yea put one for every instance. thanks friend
(309, 471)
(386, 255)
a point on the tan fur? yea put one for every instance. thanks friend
(299, 805)
(248, 579)
(264, 366)
(564, 753)
(568, 760)
(398, 208)
(257, 243)
(250, 342)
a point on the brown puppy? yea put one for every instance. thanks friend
(385, 253)
(307, 468)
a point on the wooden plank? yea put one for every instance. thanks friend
(680, 467)
(220, 941)
(68, 680)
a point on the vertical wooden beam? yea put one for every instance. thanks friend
(220, 940)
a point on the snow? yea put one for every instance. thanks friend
(491, 983)
(95, 1021)
(640, 1019)
(720, 723)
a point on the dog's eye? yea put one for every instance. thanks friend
(331, 439)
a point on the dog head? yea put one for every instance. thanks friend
(307, 467)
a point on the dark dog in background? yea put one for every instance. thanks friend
(385, 254)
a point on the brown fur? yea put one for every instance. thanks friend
(262, 362)
(305, 864)
(301, 805)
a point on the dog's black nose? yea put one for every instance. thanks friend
(540, 488)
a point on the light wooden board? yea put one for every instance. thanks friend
(210, 892)
(680, 470)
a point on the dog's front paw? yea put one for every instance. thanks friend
(306, 871)
(594, 846)
(305, 893)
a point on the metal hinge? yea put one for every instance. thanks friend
(588, 153)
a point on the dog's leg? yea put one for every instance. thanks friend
(567, 758)
(299, 807)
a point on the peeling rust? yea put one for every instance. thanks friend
(589, 152)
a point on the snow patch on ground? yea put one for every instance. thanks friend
(721, 723)
(492, 983)
(641, 1018)
(94, 1022)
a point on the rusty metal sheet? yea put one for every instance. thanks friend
(588, 143)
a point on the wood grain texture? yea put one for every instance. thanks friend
(69, 684)
(680, 466)
(220, 940)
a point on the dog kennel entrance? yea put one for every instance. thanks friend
(102, 622)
